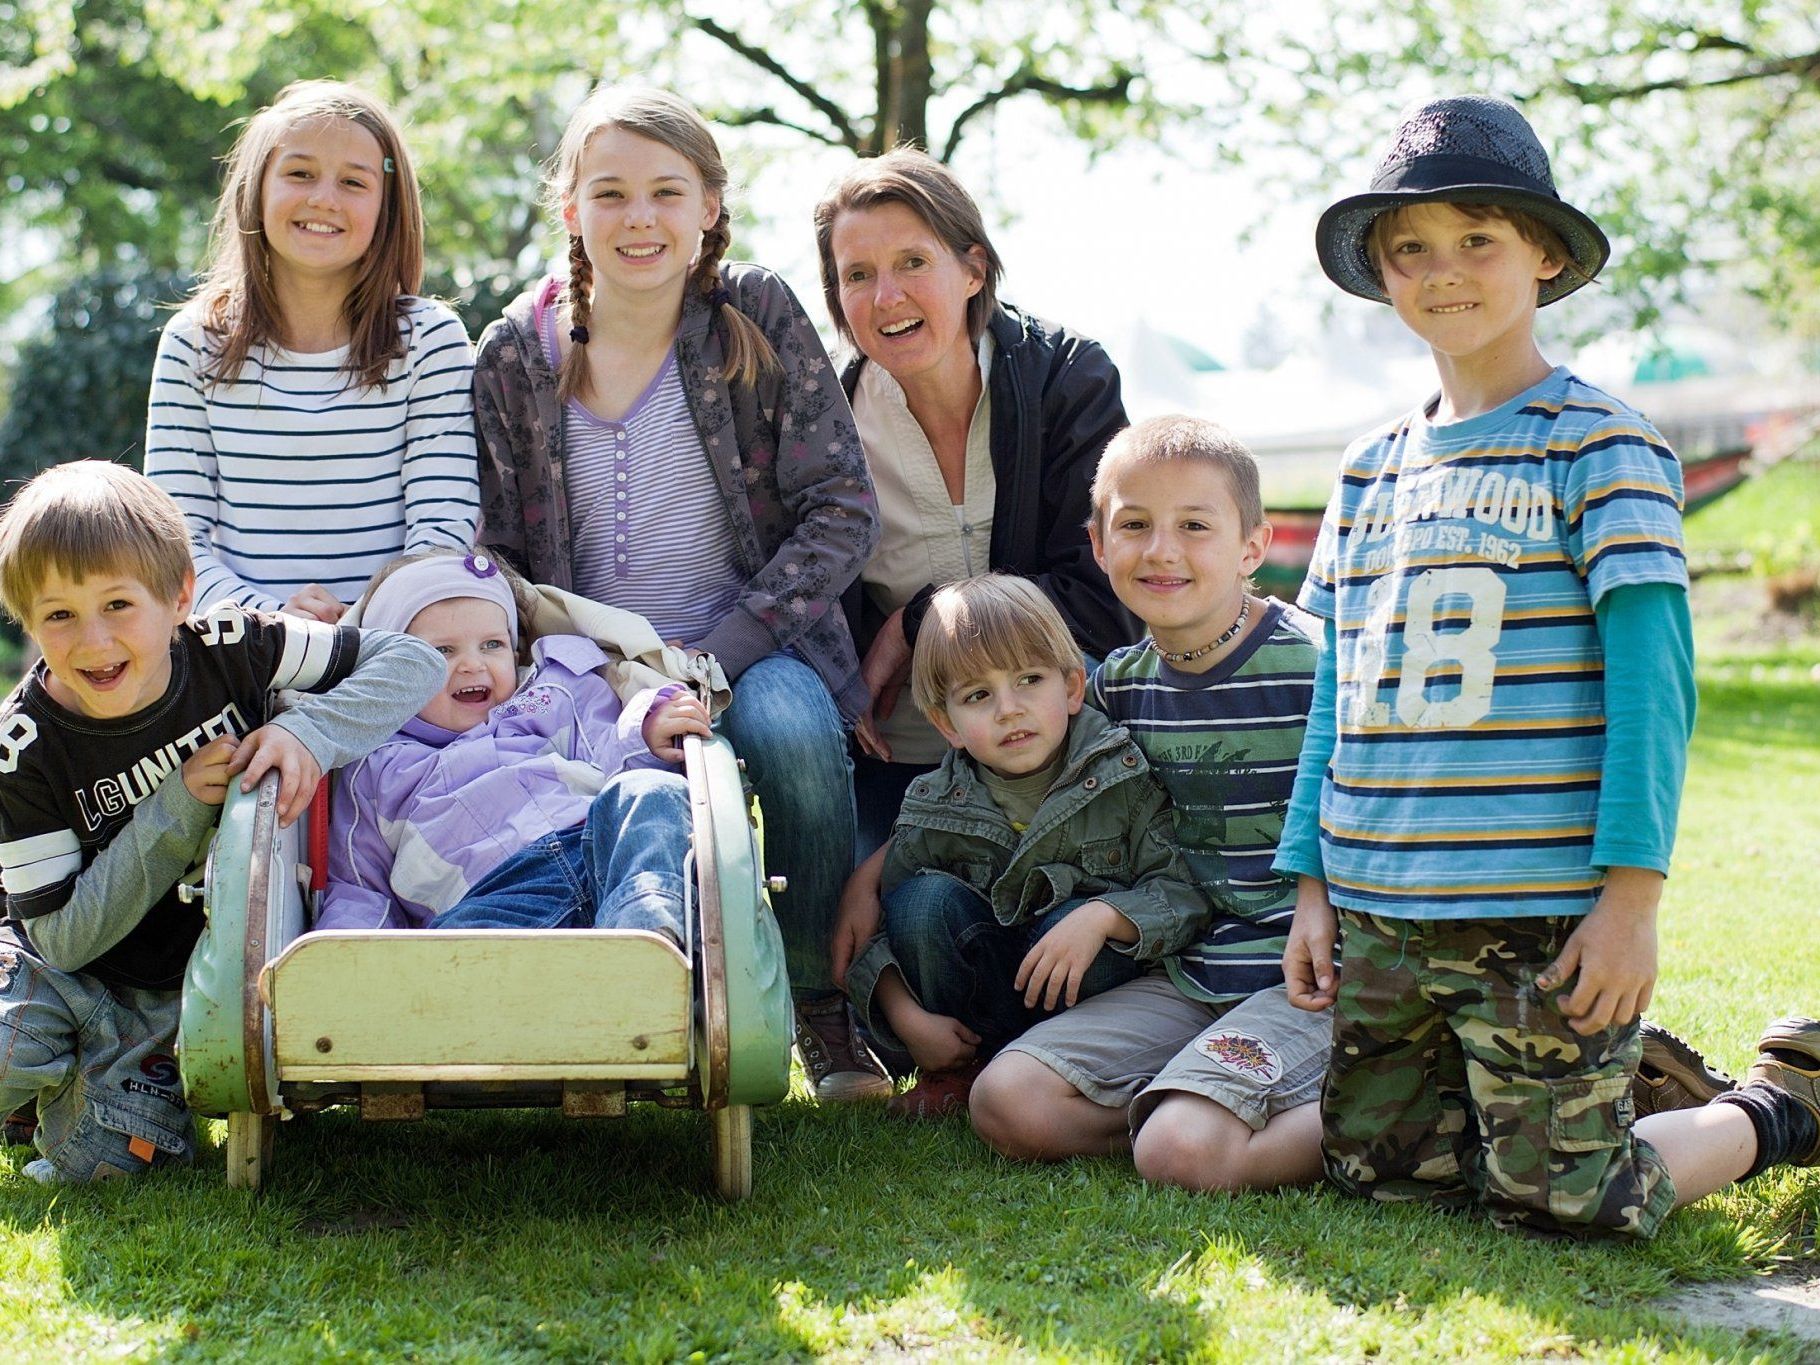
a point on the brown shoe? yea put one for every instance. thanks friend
(21, 1124)
(1673, 1075)
(1789, 1060)
(936, 1094)
(841, 1067)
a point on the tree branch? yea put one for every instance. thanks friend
(742, 118)
(1805, 67)
(766, 62)
(1026, 81)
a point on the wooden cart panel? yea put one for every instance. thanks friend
(479, 1005)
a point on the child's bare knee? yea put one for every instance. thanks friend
(1005, 1105)
(1194, 1145)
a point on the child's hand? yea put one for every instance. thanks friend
(857, 918)
(206, 771)
(668, 721)
(1614, 952)
(1308, 968)
(1053, 968)
(936, 1042)
(316, 603)
(272, 747)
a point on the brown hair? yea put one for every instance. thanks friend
(988, 621)
(1160, 440)
(236, 298)
(235, 295)
(933, 193)
(672, 121)
(1529, 227)
(91, 517)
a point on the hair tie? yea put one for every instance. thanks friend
(579, 335)
(719, 298)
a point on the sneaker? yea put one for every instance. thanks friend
(841, 1067)
(1789, 1059)
(936, 1094)
(22, 1124)
(42, 1171)
(1672, 1075)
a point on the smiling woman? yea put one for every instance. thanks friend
(982, 427)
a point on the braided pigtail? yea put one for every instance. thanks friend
(572, 380)
(749, 355)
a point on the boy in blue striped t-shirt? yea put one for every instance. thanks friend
(1202, 1068)
(1487, 797)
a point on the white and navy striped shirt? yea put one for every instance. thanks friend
(646, 516)
(294, 473)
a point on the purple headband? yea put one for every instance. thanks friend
(425, 582)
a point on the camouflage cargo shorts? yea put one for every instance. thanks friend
(1454, 1081)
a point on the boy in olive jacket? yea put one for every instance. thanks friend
(1036, 867)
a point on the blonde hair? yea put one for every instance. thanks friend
(236, 299)
(1161, 440)
(91, 517)
(673, 122)
(933, 193)
(989, 621)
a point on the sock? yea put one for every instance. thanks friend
(1785, 1127)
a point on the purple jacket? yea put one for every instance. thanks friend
(431, 811)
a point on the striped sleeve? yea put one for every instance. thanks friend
(441, 471)
(1623, 505)
(180, 458)
(40, 854)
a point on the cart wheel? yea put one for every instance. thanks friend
(249, 1149)
(733, 1151)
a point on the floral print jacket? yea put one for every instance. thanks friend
(784, 452)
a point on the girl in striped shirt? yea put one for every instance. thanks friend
(311, 415)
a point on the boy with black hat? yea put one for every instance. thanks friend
(1489, 803)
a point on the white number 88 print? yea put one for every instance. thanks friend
(1425, 649)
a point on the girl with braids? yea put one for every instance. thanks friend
(310, 414)
(663, 432)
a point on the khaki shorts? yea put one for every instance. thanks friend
(1138, 1042)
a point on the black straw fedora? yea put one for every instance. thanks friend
(1465, 149)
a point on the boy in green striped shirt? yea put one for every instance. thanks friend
(1201, 1068)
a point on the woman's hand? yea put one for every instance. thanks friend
(885, 670)
(314, 602)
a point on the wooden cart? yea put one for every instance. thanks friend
(278, 1021)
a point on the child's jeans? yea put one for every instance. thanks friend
(1454, 1080)
(958, 960)
(621, 868)
(98, 1061)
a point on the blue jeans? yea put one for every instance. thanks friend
(958, 960)
(621, 868)
(878, 791)
(101, 1063)
(785, 726)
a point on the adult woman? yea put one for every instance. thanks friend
(662, 432)
(982, 427)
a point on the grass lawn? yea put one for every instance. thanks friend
(525, 1237)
